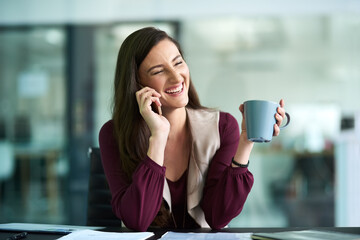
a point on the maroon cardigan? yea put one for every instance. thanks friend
(137, 204)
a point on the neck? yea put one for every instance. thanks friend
(177, 119)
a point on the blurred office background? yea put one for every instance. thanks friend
(57, 61)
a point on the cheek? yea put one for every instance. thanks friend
(147, 81)
(186, 73)
(187, 80)
(143, 80)
(156, 83)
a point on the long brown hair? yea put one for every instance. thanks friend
(131, 132)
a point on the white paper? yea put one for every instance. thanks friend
(206, 236)
(96, 235)
(36, 227)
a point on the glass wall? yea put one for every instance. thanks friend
(32, 126)
(55, 94)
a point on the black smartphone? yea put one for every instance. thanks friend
(156, 108)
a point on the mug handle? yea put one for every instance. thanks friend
(288, 120)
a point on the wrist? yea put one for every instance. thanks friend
(244, 149)
(160, 138)
(244, 143)
(157, 149)
(236, 164)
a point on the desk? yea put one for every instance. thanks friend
(160, 232)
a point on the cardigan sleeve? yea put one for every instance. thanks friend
(138, 202)
(226, 188)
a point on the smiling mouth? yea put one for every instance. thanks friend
(176, 90)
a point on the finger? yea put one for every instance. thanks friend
(145, 93)
(145, 105)
(279, 119)
(143, 89)
(159, 110)
(282, 103)
(147, 90)
(158, 103)
(241, 108)
(243, 125)
(140, 93)
(276, 130)
(281, 111)
(150, 100)
(158, 106)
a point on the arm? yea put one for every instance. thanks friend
(136, 204)
(226, 187)
(245, 146)
(159, 126)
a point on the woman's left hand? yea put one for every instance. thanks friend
(279, 116)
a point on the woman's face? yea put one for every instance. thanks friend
(164, 70)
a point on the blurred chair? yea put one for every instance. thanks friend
(7, 165)
(99, 210)
(7, 159)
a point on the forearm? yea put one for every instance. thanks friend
(138, 205)
(138, 202)
(156, 149)
(243, 151)
(225, 201)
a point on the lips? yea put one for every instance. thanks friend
(175, 90)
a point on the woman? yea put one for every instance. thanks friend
(169, 161)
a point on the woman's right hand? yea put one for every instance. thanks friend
(159, 125)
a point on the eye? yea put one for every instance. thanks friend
(157, 72)
(178, 63)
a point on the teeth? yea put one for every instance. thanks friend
(175, 90)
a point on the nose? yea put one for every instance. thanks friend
(175, 76)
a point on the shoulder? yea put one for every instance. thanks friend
(228, 126)
(227, 120)
(107, 131)
(107, 141)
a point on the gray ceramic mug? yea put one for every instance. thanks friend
(260, 119)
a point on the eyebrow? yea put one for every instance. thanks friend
(160, 65)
